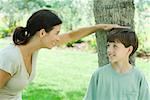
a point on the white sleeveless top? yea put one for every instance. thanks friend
(12, 62)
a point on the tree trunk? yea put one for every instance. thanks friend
(111, 11)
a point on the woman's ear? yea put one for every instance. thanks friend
(42, 33)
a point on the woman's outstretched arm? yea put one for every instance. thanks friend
(85, 31)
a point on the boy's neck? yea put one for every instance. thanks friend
(122, 67)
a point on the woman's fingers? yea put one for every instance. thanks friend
(110, 26)
(118, 26)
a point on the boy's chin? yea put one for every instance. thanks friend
(112, 61)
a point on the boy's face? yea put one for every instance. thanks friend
(116, 52)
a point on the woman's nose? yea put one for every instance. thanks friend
(57, 38)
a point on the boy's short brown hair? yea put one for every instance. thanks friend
(126, 36)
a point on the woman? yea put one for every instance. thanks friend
(17, 61)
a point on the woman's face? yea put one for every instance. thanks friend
(51, 38)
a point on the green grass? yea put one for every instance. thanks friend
(63, 74)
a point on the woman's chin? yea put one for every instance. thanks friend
(50, 47)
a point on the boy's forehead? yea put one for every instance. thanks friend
(115, 42)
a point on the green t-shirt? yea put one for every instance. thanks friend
(107, 84)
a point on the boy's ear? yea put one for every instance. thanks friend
(42, 33)
(130, 49)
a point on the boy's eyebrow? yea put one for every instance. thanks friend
(111, 42)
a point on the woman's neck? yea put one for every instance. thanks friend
(29, 48)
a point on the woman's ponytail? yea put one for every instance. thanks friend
(20, 36)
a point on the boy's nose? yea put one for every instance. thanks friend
(109, 50)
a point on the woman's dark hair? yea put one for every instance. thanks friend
(42, 19)
(126, 36)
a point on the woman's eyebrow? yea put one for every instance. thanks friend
(58, 32)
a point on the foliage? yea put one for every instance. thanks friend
(4, 32)
(73, 15)
(19, 8)
(144, 47)
(142, 22)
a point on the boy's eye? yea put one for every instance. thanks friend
(107, 45)
(115, 46)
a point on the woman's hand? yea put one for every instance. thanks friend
(111, 26)
(4, 77)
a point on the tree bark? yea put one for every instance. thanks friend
(111, 11)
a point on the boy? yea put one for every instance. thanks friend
(119, 80)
